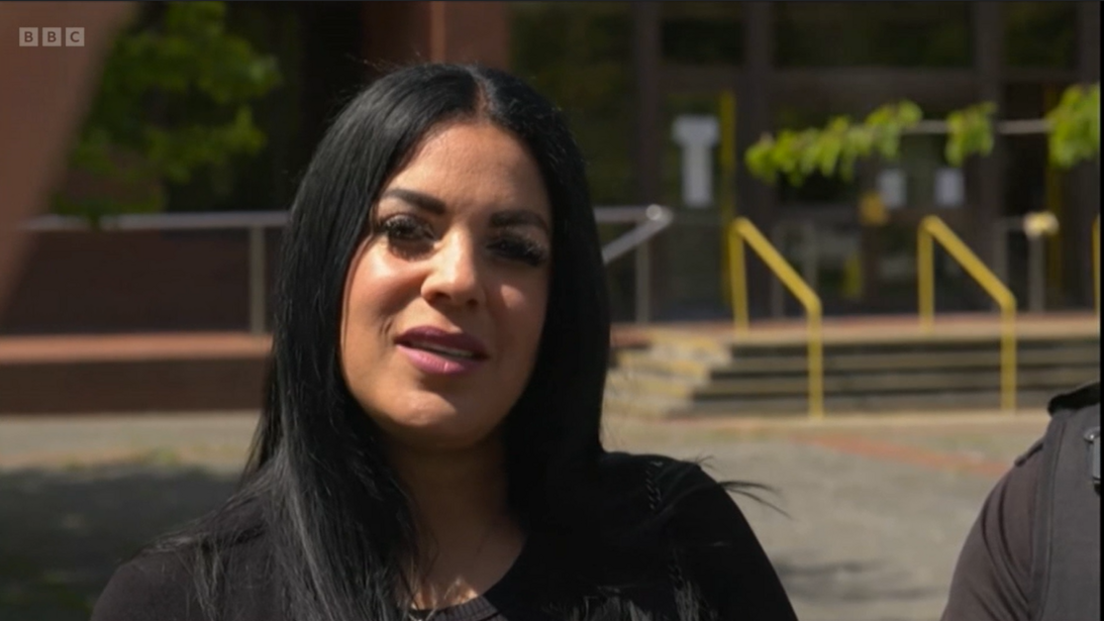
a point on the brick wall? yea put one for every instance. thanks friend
(97, 282)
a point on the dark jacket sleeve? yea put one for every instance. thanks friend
(156, 587)
(721, 554)
(992, 579)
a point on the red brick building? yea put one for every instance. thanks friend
(623, 71)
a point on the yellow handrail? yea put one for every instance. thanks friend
(1096, 262)
(742, 230)
(933, 229)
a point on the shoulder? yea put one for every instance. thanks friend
(1011, 502)
(715, 546)
(992, 575)
(1079, 398)
(671, 476)
(165, 585)
(679, 493)
(151, 586)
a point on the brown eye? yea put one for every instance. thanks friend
(406, 235)
(520, 249)
(404, 228)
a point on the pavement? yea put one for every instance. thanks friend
(868, 513)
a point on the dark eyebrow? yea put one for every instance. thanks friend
(417, 199)
(501, 219)
(519, 217)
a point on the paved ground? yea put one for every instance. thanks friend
(876, 507)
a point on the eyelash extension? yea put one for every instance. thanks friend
(403, 228)
(521, 249)
(404, 234)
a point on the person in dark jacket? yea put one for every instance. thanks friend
(1034, 552)
(430, 443)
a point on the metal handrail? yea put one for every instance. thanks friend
(1012, 127)
(163, 221)
(255, 222)
(934, 229)
(652, 219)
(742, 230)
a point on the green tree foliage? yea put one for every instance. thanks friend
(835, 148)
(1073, 132)
(174, 97)
(969, 132)
(1075, 126)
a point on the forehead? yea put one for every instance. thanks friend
(475, 165)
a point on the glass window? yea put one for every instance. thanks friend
(888, 34)
(702, 33)
(579, 54)
(1040, 34)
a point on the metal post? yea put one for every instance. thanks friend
(1000, 246)
(925, 277)
(777, 295)
(643, 283)
(1036, 275)
(810, 261)
(256, 279)
(810, 265)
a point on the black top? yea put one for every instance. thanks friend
(992, 580)
(719, 556)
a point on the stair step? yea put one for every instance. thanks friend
(648, 362)
(722, 347)
(870, 365)
(855, 383)
(833, 405)
(958, 345)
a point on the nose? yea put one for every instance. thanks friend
(454, 274)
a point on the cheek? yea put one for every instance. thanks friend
(525, 307)
(375, 292)
(379, 284)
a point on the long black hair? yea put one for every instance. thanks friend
(316, 484)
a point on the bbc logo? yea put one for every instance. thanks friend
(51, 37)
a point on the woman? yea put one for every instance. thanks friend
(429, 446)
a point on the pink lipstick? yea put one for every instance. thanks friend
(438, 352)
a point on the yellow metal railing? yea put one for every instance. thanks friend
(933, 229)
(742, 231)
(1096, 262)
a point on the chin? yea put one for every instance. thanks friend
(438, 427)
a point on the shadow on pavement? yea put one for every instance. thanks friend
(63, 531)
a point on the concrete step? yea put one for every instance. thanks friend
(851, 383)
(660, 408)
(916, 346)
(723, 346)
(646, 361)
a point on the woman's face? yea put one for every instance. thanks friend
(445, 302)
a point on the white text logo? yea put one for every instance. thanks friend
(51, 37)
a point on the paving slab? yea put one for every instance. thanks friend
(875, 508)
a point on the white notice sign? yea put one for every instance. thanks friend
(697, 135)
(892, 186)
(950, 187)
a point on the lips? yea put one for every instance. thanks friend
(440, 352)
(440, 341)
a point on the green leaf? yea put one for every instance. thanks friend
(176, 95)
